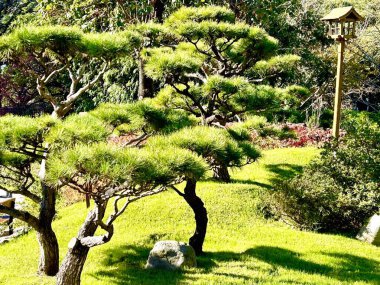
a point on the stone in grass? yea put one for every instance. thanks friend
(371, 232)
(172, 255)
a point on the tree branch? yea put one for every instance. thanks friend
(21, 215)
(72, 97)
(178, 192)
(44, 93)
(52, 74)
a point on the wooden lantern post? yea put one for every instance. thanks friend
(338, 87)
(342, 23)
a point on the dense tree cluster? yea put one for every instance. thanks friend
(183, 86)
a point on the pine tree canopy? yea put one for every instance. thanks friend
(111, 166)
(219, 68)
(214, 144)
(68, 41)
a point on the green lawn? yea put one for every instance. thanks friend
(241, 247)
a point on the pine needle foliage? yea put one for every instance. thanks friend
(114, 165)
(219, 68)
(213, 144)
(215, 13)
(66, 62)
(148, 117)
(17, 131)
(65, 41)
(82, 128)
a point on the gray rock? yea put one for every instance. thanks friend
(371, 232)
(16, 233)
(171, 255)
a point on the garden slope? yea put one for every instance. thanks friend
(241, 247)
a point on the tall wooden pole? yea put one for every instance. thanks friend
(338, 90)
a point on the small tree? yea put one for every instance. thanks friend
(23, 149)
(66, 61)
(220, 68)
(103, 172)
(220, 151)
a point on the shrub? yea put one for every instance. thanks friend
(341, 189)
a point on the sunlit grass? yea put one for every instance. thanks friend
(241, 247)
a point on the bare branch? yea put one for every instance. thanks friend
(197, 76)
(137, 140)
(72, 97)
(52, 74)
(44, 93)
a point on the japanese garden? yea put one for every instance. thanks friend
(189, 142)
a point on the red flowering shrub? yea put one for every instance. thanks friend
(293, 135)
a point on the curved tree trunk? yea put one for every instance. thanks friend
(72, 265)
(49, 252)
(221, 173)
(201, 220)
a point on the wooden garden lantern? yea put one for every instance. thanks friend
(342, 24)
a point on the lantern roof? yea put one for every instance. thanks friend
(344, 13)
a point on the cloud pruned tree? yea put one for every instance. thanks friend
(66, 62)
(28, 144)
(105, 172)
(220, 68)
(220, 150)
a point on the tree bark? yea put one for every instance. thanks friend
(221, 173)
(72, 266)
(234, 7)
(49, 252)
(201, 220)
(145, 83)
(159, 9)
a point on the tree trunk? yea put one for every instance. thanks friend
(159, 8)
(49, 252)
(71, 269)
(221, 173)
(72, 266)
(201, 220)
(145, 83)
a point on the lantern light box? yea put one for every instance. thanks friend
(342, 22)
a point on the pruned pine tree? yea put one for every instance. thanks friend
(142, 120)
(28, 144)
(220, 150)
(66, 61)
(105, 172)
(219, 68)
(21, 147)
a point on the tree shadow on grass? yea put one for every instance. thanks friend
(251, 182)
(283, 171)
(349, 267)
(280, 172)
(125, 265)
(357, 268)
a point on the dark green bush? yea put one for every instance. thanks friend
(341, 189)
